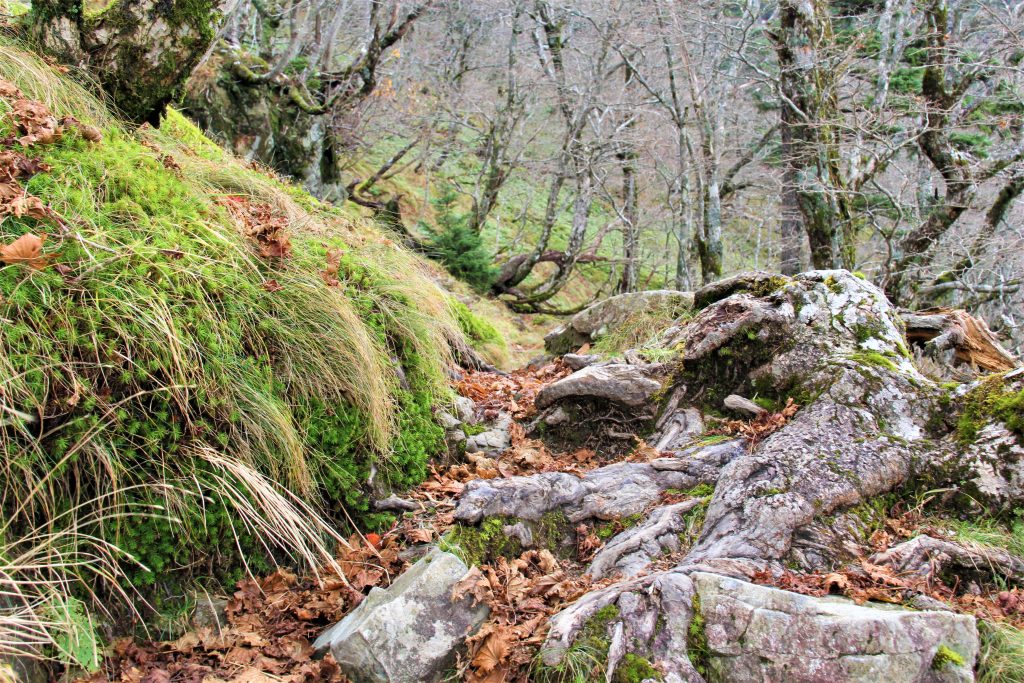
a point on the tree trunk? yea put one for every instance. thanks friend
(791, 224)
(142, 51)
(810, 113)
(937, 146)
(630, 230)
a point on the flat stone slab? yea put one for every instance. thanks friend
(621, 383)
(410, 631)
(759, 633)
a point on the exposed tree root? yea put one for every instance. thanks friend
(929, 557)
(632, 551)
(611, 492)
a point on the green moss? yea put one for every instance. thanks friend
(833, 285)
(634, 669)
(946, 656)
(481, 544)
(874, 359)
(481, 334)
(473, 430)
(769, 285)
(712, 439)
(484, 543)
(697, 649)
(868, 330)
(606, 530)
(701, 490)
(552, 531)
(989, 401)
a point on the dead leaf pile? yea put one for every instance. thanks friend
(330, 273)
(35, 124)
(514, 392)
(269, 627)
(759, 428)
(263, 223)
(522, 593)
(34, 121)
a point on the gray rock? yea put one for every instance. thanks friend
(447, 420)
(577, 361)
(465, 410)
(409, 632)
(757, 633)
(628, 385)
(494, 440)
(604, 316)
(209, 612)
(556, 417)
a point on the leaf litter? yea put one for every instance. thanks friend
(271, 622)
(34, 124)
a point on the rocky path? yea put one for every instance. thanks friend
(732, 543)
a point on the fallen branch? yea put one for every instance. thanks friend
(956, 330)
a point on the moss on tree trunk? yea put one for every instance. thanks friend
(141, 51)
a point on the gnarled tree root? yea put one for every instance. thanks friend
(610, 492)
(928, 557)
(630, 552)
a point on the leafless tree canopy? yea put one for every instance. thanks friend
(623, 145)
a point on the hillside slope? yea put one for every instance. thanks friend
(202, 368)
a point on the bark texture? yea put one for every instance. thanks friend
(142, 51)
(869, 423)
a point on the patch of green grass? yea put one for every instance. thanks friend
(642, 330)
(586, 658)
(1001, 655)
(987, 531)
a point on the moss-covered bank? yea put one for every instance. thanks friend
(202, 407)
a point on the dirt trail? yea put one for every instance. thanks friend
(269, 623)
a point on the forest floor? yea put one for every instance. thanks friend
(269, 623)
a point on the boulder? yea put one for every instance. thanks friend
(409, 632)
(465, 410)
(628, 385)
(604, 316)
(210, 612)
(757, 633)
(493, 441)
